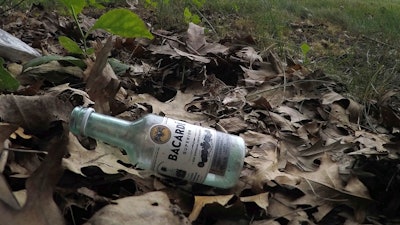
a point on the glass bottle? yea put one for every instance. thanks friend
(167, 146)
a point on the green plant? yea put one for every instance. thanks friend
(121, 22)
(7, 80)
(190, 17)
(305, 48)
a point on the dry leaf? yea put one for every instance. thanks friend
(255, 138)
(151, 208)
(102, 84)
(250, 55)
(104, 156)
(40, 208)
(259, 76)
(174, 109)
(196, 38)
(201, 201)
(37, 113)
(295, 116)
(328, 176)
(262, 200)
(193, 57)
(233, 124)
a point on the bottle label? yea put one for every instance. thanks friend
(187, 151)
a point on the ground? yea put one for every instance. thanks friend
(314, 155)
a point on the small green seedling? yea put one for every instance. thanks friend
(121, 22)
(305, 48)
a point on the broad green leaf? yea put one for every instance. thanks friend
(48, 58)
(70, 45)
(7, 81)
(122, 22)
(74, 5)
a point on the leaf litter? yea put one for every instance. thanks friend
(314, 155)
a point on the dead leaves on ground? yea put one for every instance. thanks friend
(307, 144)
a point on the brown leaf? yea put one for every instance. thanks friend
(259, 76)
(40, 208)
(104, 156)
(233, 124)
(197, 44)
(102, 84)
(196, 38)
(250, 55)
(295, 115)
(193, 57)
(174, 109)
(255, 138)
(37, 113)
(328, 176)
(5, 191)
(201, 201)
(151, 208)
(262, 200)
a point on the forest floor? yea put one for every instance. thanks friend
(315, 155)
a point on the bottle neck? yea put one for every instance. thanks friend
(111, 130)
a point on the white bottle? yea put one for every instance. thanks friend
(167, 146)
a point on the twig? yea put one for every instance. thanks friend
(207, 21)
(377, 41)
(12, 7)
(25, 150)
(176, 40)
(287, 84)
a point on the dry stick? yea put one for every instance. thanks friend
(25, 150)
(287, 84)
(176, 40)
(377, 41)
(12, 7)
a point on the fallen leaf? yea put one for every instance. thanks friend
(37, 113)
(102, 84)
(262, 200)
(151, 208)
(259, 76)
(193, 57)
(233, 124)
(6, 195)
(328, 175)
(197, 44)
(201, 201)
(374, 142)
(40, 208)
(196, 38)
(104, 156)
(295, 116)
(250, 55)
(253, 138)
(174, 109)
